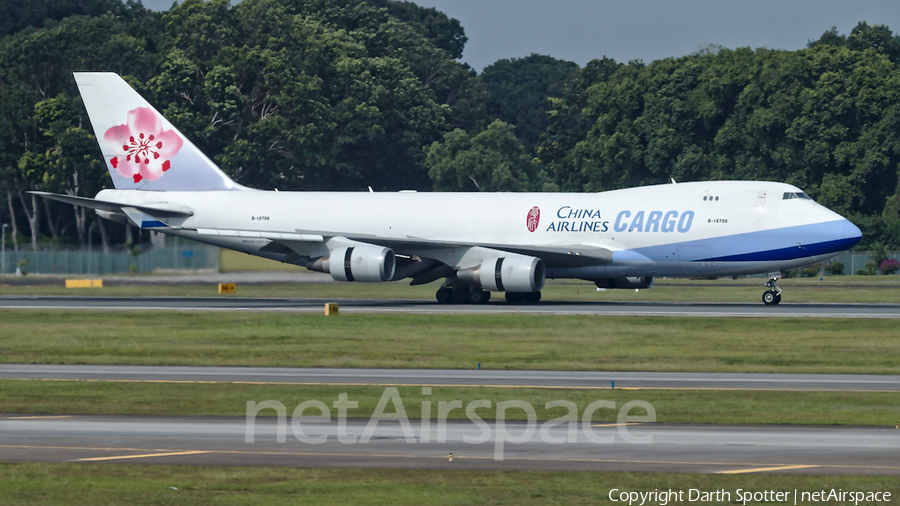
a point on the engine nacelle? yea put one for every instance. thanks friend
(506, 274)
(366, 263)
(628, 282)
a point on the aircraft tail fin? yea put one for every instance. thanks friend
(142, 149)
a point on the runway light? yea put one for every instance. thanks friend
(451, 457)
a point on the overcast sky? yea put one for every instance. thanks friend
(581, 30)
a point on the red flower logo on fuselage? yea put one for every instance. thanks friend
(143, 149)
(533, 219)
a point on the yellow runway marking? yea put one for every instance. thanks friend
(120, 457)
(614, 424)
(763, 469)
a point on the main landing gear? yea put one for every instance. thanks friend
(457, 293)
(462, 294)
(772, 296)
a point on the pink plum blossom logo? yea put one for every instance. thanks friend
(533, 218)
(143, 149)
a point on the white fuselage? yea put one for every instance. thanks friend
(709, 228)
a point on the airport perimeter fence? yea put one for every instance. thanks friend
(858, 260)
(187, 257)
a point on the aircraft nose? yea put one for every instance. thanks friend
(847, 234)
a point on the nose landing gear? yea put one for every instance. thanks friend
(772, 296)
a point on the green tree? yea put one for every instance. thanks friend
(823, 118)
(493, 160)
(310, 94)
(519, 92)
(20, 14)
(41, 129)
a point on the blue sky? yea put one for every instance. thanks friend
(581, 30)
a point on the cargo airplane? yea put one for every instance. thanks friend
(478, 242)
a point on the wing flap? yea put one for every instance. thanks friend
(282, 237)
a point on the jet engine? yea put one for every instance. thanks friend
(626, 282)
(366, 263)
(516, 273)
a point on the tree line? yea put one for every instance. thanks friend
(341, 95)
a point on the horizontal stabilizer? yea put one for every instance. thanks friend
(114, 207)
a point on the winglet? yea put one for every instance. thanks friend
(141, 148)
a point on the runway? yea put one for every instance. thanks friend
(649, 447)
(455, 377)
(705, 309)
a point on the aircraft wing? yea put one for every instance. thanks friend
(562, 255)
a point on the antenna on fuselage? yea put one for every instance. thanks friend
(673, 180)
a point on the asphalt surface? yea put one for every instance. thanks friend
(455, 377)
(647, 447)
(428, 306)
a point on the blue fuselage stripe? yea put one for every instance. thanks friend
(788, 243)
(791, 253)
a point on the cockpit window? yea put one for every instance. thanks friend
(795, 195)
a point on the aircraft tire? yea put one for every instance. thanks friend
(778, 299)
(514, 298)
(479, 297)
(444, 296)
(531, 297)
(771, 297)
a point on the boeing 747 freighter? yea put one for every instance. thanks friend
(478, 242)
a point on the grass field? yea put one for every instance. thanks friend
(854, 289)
(89, 484)
(672, 406)
(514, 341)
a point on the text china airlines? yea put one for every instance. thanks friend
(589, 220)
